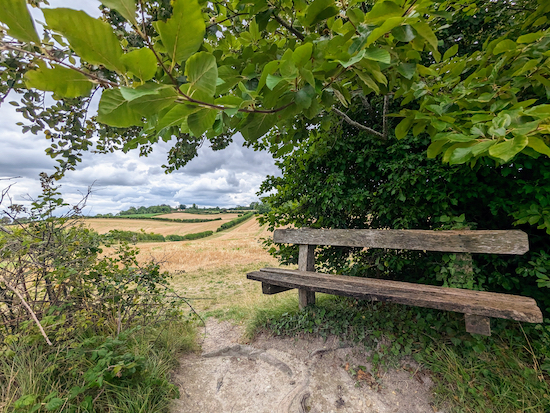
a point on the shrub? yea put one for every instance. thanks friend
(235, 221)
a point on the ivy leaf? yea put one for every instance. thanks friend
(141, 63)
(127, 8)
(320, 10)
(202, 72)
(202, 120)
(92, 39)
(15, 15)
(63, 82)
(183, 33)
(115, 111)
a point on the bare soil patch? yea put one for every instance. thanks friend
(298, 375)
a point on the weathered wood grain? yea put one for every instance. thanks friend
(480, 303)
(306, 262)
(488, 242)
(476, 324)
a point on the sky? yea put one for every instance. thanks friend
(214, 178)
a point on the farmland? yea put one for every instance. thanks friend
(104, 225)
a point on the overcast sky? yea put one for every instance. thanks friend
(223, 178)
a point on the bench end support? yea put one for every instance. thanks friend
(477, 324)
(305, 298)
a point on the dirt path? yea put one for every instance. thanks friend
(291, 375)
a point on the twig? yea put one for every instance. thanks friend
(27, 306)
(384, 117)
(357, 124)
(288, 27)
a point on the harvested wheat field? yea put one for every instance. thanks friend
(212, 271)
(103, 226)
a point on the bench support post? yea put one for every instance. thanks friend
(306, 262)
(478, 324)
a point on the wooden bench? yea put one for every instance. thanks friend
(477, 306)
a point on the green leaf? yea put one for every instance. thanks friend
(460, 156)
(304, 97)
(407, 70)
(54, 404)
(367, 80)
(403, 127)
(127, 8)
(149, 99)
(272, 81)
(404, 33)
(450, 52)
(377, 54)
(386, 27)
(115, 111)
(538, 145)
(92, 39)
(530, 37)
(453, 137)
(504, 46)
(176, 116)
(141, 63)
(320, 10)
(425, 31)
(508, 149)
(268, 69)
(382, 11)
(63, 82)
(257, 125)
(183, 33)
(202, 72)
(355, 59)
(302, 54)
(435, 148)
(481, 147)
(202, 120)
(15, 15)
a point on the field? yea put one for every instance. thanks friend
(103, 226)
(211, 272)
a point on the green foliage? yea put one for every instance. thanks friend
(79, 329)
(344, 179)
(132, 236)
(191, 71)
(187, 237)
(155, 209)
(235, 221)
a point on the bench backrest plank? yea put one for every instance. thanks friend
(483, 241)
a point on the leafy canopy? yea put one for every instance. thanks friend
(191, 70)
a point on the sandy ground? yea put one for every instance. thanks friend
(292, 375)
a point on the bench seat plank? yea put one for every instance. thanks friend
(483, 241)
(480, 303)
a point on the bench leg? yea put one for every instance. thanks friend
(271, 289)
(478, 324)
(305, 298)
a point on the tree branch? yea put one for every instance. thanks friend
(357, 125)
(384, 117)
(28, 307)
(288, 27)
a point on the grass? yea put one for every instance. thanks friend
(48, 376)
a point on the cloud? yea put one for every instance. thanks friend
(215, 178)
